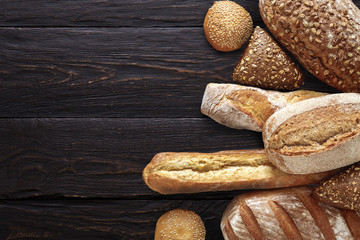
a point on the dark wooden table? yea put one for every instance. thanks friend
(90, 92)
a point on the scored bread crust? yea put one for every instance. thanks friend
(324, 36)
(191, 172)
(319, 155)
(244, 107)
(288, 213)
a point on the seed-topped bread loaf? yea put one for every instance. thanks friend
(324, 35)
(264, 64)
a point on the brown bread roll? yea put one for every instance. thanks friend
(179, 224)
(315, 135)
(341, 190)
(264, 64)
(227, 26)
(288, 213)
(324, 35)
(243, 107)
(186, 172)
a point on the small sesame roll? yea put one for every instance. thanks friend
(227, 26)
(179, 224)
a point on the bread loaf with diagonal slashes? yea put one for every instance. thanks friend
(287, 213)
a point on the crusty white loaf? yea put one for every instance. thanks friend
(243, 107)
(288, 213)
(315, 135)
(189, 172)
(324, 35)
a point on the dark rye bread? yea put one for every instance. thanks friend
(324, 35)
(264, 64)
(288, 213)
(314, 135)
(341, 190)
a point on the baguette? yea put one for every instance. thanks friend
(288, 213)
(186, 172)
(324, 36)
(243, 107)
(315, 135)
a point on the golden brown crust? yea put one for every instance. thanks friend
(244, 107)
(315, 135)
(341, 190)
(264, 64)
(184, 172)
(254, 104)
(323, 35)
(227, 26)
(180, 224)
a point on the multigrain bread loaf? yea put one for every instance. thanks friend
(227, 26)
(243, 107)
(264, 64)
(341, 190)
(288, 213)
(315, 135)
(324, 35)
(186, 172)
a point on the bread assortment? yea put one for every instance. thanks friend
(180, 224)
(288, 213)
(309, 137)
(324, 35)
(227, 26)
(264, 64)
(243, 107)
(185, 172)
(315, 135)
(341, 190)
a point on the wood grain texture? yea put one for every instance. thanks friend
(122, 72)
(100, 157)
(138, 13)
(116, 219)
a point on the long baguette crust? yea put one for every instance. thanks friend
(324, 35)
(243, 107)
(190, 172)
(288, 213)
(315, 135)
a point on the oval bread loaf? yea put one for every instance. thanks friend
(324, 35)
(288, 213)
(315, 135)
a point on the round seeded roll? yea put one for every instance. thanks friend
(227, 26)
(180, 224)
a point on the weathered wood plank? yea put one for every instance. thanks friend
(116, 219)
(100, 157)
(138, 13)
(111, 72)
